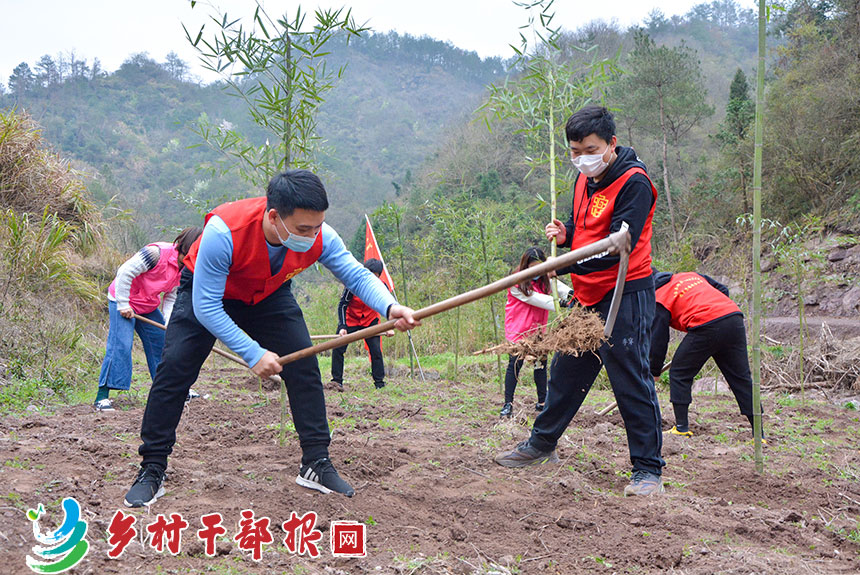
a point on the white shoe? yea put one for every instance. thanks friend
(104, 405)
(191, 395)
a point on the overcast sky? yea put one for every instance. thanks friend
(111, 30)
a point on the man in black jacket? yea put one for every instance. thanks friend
(612, 188)
(353, 315)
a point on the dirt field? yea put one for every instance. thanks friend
(430, 496)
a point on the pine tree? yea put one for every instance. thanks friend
(22, 80)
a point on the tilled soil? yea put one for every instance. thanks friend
(430, 496)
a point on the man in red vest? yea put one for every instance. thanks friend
(612, 188)
(352, 315)
(236, 287)
(699, 306)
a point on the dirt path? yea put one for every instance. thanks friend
(431, 498)
(787, 326)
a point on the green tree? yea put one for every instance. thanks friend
(664, 89)
(813, 112)
(278, 68)
(22, 80)
(732, 137)
(47, 73)
(176, 66)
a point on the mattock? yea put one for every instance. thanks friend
(615, 243)
(613, 309)
(220, 352)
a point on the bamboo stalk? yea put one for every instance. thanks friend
(615, 243)
(756, 255)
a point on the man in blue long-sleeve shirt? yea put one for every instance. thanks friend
(236, 287)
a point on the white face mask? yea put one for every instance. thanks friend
(295, 242)
(590, 164)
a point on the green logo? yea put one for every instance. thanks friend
(65, 547)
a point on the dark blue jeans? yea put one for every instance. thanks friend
(116, 367)
(625, 356)
(277, 324)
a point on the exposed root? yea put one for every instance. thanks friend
(576, 332)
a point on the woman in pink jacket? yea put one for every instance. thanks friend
(137, 289)
(526, 312)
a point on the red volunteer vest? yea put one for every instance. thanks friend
(358, 313)
(692, 301)
(250, 279)
(592, 225)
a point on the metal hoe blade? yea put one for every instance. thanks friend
(619, 284)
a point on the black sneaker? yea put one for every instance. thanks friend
(524, 454)
(379, 384)
(336, 385)
(507, 410)
(147, 487)
(539, 406)
(322, 476)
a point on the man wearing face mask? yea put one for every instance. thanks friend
(612, 188)
(236, 287)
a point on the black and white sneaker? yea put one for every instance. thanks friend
(191, 395)
(103, 405)
(147, 487)
(322, 476)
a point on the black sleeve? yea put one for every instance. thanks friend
(722, 289)
(345, 298)
(632, 205)
(659, 339)
(569, 227)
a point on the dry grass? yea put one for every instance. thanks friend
(578, 331)
(33, 178)
(829, 363)
(48, 226)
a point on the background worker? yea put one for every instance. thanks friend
(353, 315)
(714, 324)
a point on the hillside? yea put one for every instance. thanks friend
(132, 126)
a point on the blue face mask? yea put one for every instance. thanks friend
(295, 242)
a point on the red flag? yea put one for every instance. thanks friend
(371, 250)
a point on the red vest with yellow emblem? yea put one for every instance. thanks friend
(592, 225)
(250, 279)
(692, 301)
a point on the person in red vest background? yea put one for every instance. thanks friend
(700, 306)
(612, 189)
(236, 286)
(352, 315)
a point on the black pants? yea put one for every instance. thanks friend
(512, 377)
(625, 356)
(377, 367)
(725, 340)
(277, 324)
